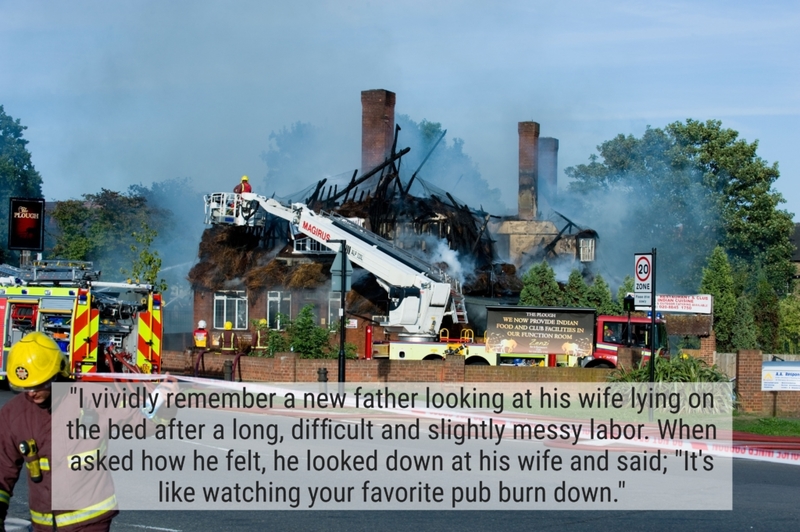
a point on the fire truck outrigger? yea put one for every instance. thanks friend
(102, 326)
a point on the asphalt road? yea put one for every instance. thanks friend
(765, 498)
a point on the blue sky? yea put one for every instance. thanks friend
(116, 93)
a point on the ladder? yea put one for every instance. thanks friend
(458, 308)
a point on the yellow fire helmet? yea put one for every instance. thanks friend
(244, 178)
(262, 321)
(35, 360)
(228, 326)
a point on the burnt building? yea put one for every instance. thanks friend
(263, 272)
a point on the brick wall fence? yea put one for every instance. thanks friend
(288, 367)
(753, 400)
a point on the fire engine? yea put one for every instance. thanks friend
(101, 326)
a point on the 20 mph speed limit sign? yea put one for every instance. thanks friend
(643, 267)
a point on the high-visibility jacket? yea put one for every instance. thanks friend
(262, 339)
(23, 420)
(228, 341)
(201, 338)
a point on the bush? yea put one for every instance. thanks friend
(683, 368)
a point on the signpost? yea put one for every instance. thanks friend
(341, 271)
(644, 275)
(642, 268)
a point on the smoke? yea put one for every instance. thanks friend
(179, 237)
(672, 212)
(448, 167)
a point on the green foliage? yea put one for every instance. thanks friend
(627, 287)
(718, 281)
(147, 264)
(575, 291)
(743, 334)
(766, 314)
(707, 187)
(789, 330)
(18, 177)
(770, 426)
(103, 228)
(306, 338)
(682, 368)
(540, 288)
(599, 297)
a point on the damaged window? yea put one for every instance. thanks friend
(278, 303)
(230, 306)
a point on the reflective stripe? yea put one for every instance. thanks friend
(44, 464)
(91, 452)
(608, 347)
(4, 497)
(78, 516)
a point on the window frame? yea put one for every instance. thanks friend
(232, 302)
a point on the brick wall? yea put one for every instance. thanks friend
(287, 367)
(708, 348)
(753, 400)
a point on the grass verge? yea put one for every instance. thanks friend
(768, 426)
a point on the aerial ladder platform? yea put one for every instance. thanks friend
(420, 293)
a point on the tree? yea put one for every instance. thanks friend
(101, 228)
(575, 291)
(687, 188)
(18, 177)
(718, 282)
(308, 339)
(540, 288)
(599, 297)
(789, 330)
(627, 287)
(147, 263)
(766, 314)
(744, 329)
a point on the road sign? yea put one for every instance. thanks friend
(643, 300)
(642, 271)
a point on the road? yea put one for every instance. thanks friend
(765, 498)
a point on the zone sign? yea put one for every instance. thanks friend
(643, 268)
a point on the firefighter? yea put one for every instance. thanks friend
(262, 335)
(34, 363)
(244, 186)
(228, 341)
(201, 336)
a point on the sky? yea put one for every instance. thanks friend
(136, 92)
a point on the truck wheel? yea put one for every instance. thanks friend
(476, 361)
(602, 365)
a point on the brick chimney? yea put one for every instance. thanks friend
(528, 169)
(377, 127)
(548, 170)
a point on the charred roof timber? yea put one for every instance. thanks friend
(382, 201)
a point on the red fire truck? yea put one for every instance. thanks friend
(102, 327)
